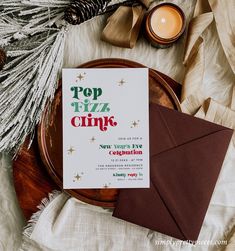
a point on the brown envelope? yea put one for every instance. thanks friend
(186, 157)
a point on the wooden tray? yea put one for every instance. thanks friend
(50, 146)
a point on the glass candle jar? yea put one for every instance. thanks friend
(164, 25)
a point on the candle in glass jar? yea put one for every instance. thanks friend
(165, 24)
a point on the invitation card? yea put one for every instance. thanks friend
(105, 128)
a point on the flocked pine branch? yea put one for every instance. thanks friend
(22, 18)
(32, 33)
(29, 81)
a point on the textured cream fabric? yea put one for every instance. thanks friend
(195, 68)
(71, 225)
(11, 219)
(232, 105)
(194, 58)
(67, 224)
(196, 27)
(223, 11)
(213, 111)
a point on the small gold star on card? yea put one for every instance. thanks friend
(93, 139)
(78, 177)
(71, 150)
(80, 77)
(121, 82)
(135, 124)
(106, 185)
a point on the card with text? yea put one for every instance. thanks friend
(105, 128)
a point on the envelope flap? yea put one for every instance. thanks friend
(185, 178)
(160, 139)
(182, 127)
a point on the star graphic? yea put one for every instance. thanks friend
(80, 77)
(71, 150)
(106, 185)
(77, 177)
(121, 82)
(93, 139)
(135, 123)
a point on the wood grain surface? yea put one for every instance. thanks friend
(31, 180)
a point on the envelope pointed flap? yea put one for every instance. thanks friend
(186, 176)
(183, 127)
(144, 207)
(160, 139)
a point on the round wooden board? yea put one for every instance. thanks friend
(50, 146)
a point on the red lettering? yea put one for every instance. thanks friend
(75, 121)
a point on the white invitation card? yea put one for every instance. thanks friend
(105, 128)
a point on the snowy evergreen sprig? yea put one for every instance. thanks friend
(32, 33)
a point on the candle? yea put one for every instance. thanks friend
(164, 24)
